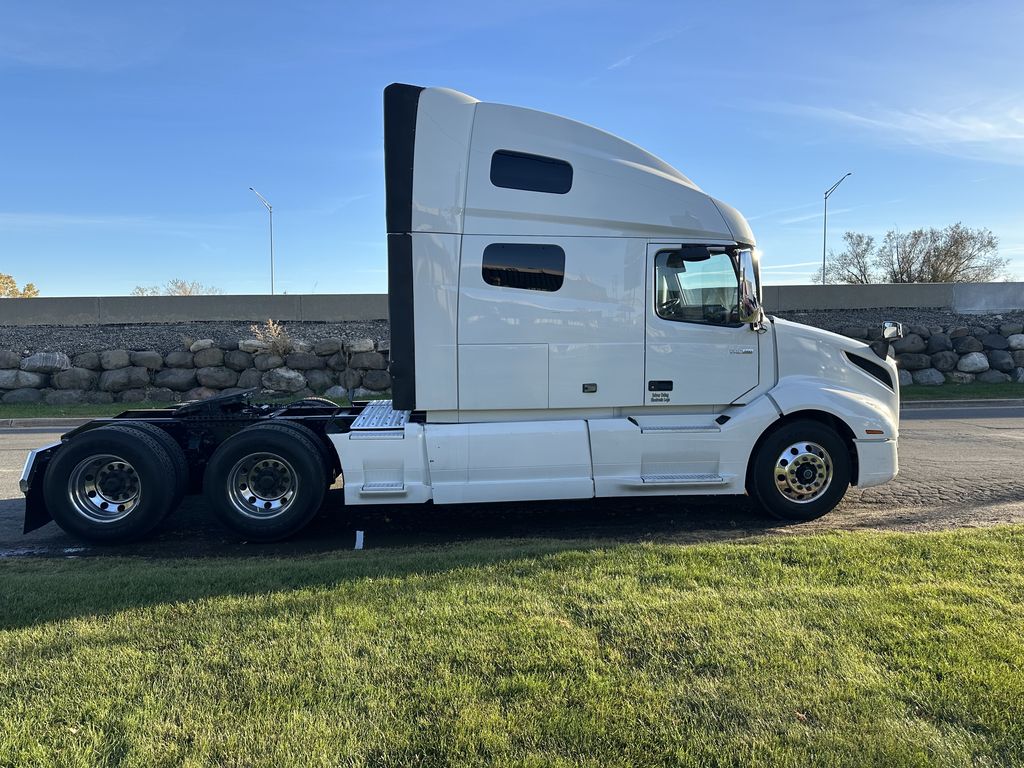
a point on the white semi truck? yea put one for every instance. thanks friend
(571, 317)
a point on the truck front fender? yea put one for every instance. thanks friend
(867, 417)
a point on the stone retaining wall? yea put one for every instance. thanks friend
(358, 368)
(330, 367)
(960, 354)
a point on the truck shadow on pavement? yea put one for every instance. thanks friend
(401, 526)
(192, 532)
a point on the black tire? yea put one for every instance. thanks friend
(801, 471)
(266, 482)
(127, 459)
(174, 452)
(326, 455)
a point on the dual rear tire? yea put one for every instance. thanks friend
(267, 481)
(115, 484)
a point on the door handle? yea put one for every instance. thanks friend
(741, 350)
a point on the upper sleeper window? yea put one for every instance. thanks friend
(524, 265)
(534, 173)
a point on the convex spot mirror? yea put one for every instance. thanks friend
(891, 330)
(750, 301)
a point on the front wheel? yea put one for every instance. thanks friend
(266, 482)
(801, 471)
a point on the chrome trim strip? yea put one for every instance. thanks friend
(30, 466)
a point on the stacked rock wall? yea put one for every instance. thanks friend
(331, 367)
(344, 361)
(958, 354)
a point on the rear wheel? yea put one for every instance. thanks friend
(266, 482)
(174, 452)
(109, 485)
(801, 471)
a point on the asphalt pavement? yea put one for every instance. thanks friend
(959, 467)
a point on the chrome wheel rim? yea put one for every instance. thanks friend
(104, 488)
(262, 486)
(803, 472)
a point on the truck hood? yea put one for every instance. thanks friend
(838, 365)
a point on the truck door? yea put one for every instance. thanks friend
(697, 350)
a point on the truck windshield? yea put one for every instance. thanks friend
(704, 291)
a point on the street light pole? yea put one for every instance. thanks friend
(824, 224)
(270, 210)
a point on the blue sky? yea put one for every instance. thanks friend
(131, 132)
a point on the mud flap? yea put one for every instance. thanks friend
(36, 514)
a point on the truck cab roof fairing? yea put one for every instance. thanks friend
(618, 188)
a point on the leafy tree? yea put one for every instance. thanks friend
(9, 288)
(177, 287)
(953, 254)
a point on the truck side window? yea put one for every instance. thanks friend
(533, 173)
(524, 265)
(705, 291)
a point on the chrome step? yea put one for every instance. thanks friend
(380, 415)
(386, 488)
(377, 434)
(682, 428)
(702, 478)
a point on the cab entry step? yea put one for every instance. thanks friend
(379, 416)
(684, 479)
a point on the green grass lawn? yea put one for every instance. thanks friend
(973, 391)
(854, 649)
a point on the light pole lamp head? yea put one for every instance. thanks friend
(262, 199)
(832, 189)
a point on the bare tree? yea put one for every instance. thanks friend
(960, 254)
(9, 288)
(954, 254)
(854, 264)
(177, 287)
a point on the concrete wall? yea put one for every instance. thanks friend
(966, 298)
(115, 310)
(988, 297)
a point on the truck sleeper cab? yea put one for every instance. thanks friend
(571, 318)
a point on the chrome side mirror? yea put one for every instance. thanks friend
(891, 330)
(750, 298)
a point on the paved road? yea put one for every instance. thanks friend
(960, 467)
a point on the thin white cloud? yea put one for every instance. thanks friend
(992, 131)
(777, 211)
(89, 37)
(790, 266)
(812, 216)
(27, 220)
(628, 59)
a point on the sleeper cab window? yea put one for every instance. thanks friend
(696, 285)
(528, 266)
(533, 173)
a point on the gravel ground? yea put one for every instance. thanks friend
(834, 319)
(169, 337)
